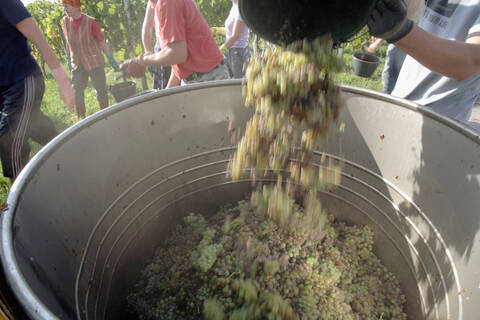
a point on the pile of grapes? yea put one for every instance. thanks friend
(241, 265)
(270, 257)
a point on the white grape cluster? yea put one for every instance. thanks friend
(260, 272)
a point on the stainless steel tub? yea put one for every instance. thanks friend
(87, 212)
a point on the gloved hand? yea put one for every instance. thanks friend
(133, 68)
(66, 90)
(112, 61)
(223, 49)
(218, 30)
(389, 21)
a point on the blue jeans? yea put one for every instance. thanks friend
(160, 74)
(391, 70)
(236, 59)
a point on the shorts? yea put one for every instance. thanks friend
(237, 59)
(220, 72)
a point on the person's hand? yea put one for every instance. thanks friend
(133, 68)
(223, 49)
(375, 43)
(66, 90)
(112, 62)
(389, 21)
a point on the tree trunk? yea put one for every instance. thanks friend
(130, 43)
(126, 4)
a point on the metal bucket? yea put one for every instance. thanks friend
(123, 90)
(87, 212)
(364, 64)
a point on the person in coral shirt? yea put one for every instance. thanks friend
(187, 45)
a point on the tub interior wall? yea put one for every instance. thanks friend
(98, 203)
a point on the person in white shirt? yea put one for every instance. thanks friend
(236, 47)
(441, 69)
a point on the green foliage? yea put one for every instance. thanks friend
(214, 11)
(120, 21)
(360, 41)
(349, 78)
(48, 16)
(4, 187)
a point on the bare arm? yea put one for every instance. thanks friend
(28, 27)
(376, 42)
(173, 81)
(147, 28)
(457, 60)
(238, 28)
(173, 53)
(106, 49)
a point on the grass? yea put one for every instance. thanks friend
(63, 118)
(53, 106)
(349, 78)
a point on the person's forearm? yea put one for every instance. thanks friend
(147, 41)
(229, 43)
(147, 29)
(377, 42)
(238, 28)
(105, 47)
(173, 81)
(374, 45)
(29, 28)
(173, 53)
(457, 60)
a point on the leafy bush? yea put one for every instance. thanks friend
(360, 41)
(4, 187)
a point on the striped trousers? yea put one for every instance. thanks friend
(21, 119)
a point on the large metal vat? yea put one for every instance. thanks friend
(87, 212)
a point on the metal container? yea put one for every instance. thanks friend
(123, 90)
(364, 64)
(87, 212)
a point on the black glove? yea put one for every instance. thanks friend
(389, 21)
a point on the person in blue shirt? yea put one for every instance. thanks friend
(22, 87)
(441, 69)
